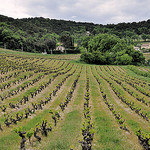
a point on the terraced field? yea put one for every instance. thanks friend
(55, 103)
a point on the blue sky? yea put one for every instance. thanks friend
(96, 11)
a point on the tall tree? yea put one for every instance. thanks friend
(67, 40)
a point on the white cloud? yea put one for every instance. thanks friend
(73, 17)
(97, 11)
(12, 8)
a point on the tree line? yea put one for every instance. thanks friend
(37, 34)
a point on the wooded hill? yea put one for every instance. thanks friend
(37, 34)
(39, 24)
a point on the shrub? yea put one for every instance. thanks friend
(109, 49)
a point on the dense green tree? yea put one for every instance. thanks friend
(31, 34)
(85, 41)
(124, 59)
(102, 43)
(138, 58)
(145, 36)
(109, 49)
(50, 45)
(67, 40)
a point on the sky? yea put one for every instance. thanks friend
(96, 11)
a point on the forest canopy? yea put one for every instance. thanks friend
(109, 49)
(39, 34)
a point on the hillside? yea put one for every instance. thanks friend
(37, 34)
(38, 24)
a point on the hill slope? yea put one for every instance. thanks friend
(37, 34)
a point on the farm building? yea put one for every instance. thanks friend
(61, 48)
(136, 48)
(145, 46)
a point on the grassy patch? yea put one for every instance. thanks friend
(146, 55)
(134, 125)
(131, 73)
(68, 133)
(108, 134)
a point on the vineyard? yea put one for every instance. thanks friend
(58, 103)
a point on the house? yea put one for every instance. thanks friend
(88, 33)
(60, 48)
(44, 53)
(145, 46)
(136, 48)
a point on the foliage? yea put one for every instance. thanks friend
(39, 34)
(32, 87)
(109, 49)
(67, 40)
(29, 134)
(139, 72)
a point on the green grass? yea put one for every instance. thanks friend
(108, 135)
(146, 55)
(11, 138)
(54, 56)
(6, 51)
(67, 133)
(131, 73)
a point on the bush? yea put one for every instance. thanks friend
(109, 49)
